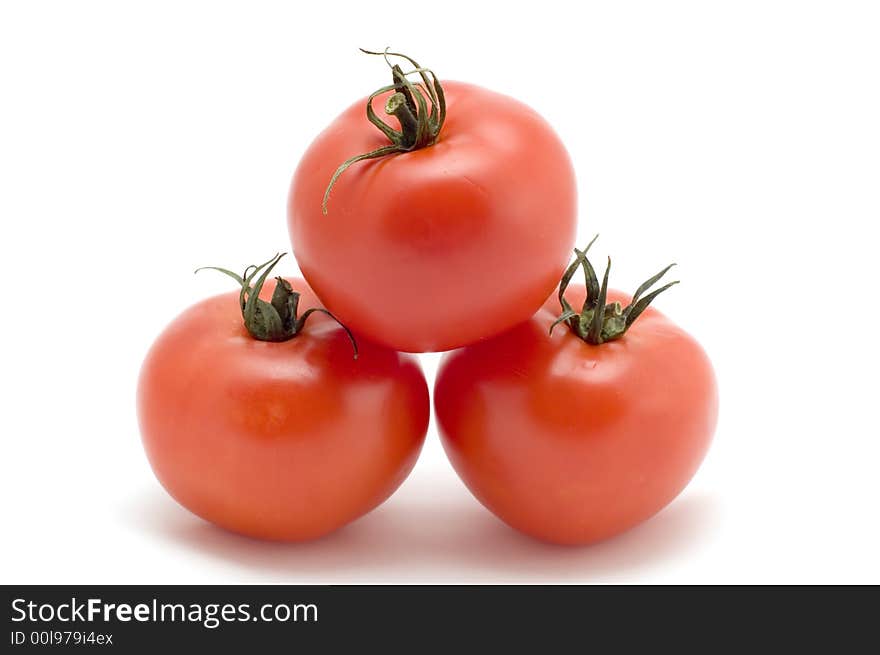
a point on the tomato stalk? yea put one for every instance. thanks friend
(419, 125)
(278, 319)
(598, 322)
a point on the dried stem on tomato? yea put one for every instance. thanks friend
(419, 125)
(598, 322)
(278, 319)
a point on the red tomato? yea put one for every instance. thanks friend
(286, 440)
(439, 247)
(571, 442)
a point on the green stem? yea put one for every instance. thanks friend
(398, 105)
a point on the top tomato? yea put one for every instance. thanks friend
(443, 245)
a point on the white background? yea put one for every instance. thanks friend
(740, 139)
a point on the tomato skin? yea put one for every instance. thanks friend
(445, 245)
(285, 441)
(571, 442)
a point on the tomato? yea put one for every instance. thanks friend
(572, 442)
(280, 440)
(440, 246)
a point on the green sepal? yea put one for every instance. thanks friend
(278, 319)
(597, 321)
(419, 125)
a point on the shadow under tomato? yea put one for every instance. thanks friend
(433, 531)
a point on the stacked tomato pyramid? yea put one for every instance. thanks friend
(442, 221)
